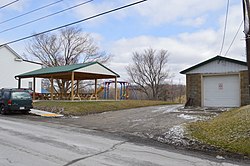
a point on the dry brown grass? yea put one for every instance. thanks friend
(90, 107)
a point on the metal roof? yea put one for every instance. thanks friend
(64, 72)
(220, 58)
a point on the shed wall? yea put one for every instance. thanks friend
(193, 82)
(244, 88)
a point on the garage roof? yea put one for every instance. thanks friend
(216, 58)
(83, 71)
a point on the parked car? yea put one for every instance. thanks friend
(12, 100)
(37, 95)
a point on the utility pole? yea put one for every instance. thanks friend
(246, 14)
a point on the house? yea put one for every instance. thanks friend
(217, 82)
(12, 64)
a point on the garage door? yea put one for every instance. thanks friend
(221, 91)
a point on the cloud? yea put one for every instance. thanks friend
(193, 22)
(93, 8)
(185, 50)
(154, 12)
(18, 6)
(161, 11)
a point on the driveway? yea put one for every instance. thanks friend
(161, 123)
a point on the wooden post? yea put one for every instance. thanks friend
(115, 88)
(95, 86)
(51, 88)
(72, 85)
(19, 83)
(246, 14)
(77, 87)
(34, 88)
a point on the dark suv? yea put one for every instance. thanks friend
(15, 100)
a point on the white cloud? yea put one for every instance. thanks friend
(193, 22)
(91, 9)
(154, 12)
(162, 11)
(19, 5)
(185, 50)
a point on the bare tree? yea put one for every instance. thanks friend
(148, 71)
(69, 46)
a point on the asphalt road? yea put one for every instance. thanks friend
(32, 143)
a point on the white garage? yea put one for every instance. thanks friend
(221, 91)
(217, 82)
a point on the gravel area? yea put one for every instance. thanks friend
(161, 123)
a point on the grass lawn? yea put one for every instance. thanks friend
(90, 107)
(230, 131)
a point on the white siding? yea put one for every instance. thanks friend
(218, 67)
(10, 67)
(95, 69)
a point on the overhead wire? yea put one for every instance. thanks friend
(38, 19)
(236, 34)
(76, 22)
(32, 11)
(8, 4)
(225, 28)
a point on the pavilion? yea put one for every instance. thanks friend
(75, 72)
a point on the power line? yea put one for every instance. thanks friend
(73, 23)
(32, 11)
(225, 27)
(29, 22)
(8, 4)
(234, 38)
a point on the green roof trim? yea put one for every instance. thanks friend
(61, 69)
(220, 58)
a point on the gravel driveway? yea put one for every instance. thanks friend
(161, 123)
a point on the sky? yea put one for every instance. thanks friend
(191, 30)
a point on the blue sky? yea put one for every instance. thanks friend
(191, 30)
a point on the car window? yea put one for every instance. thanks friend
(6, 95)
(20, 95)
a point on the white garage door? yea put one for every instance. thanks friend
(221, 91)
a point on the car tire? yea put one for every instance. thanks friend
(26, 112)
(2, 110)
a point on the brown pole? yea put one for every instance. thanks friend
(246, 14)
(19, 83)
(77, 87)
(51, 88)
(34, 88)
(115, 88)
(95, 86)
(72, 85)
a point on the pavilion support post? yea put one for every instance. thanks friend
(34, 88)
(95, 89)
(72, 85)
(77, 87)
(51, 88)
(19, 83)
(95, 86)
(115, 88)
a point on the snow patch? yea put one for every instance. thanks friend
(168, 109)
(174, 136)
(137, 120)
(220, 157)
(188, 117)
